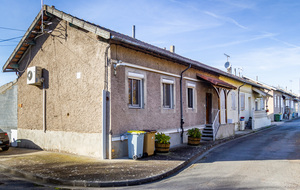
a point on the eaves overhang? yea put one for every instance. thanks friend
(216, 82)
(138, 45)
(34, 30)
(260, 92)
(29, 36)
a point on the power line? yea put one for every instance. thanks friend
(6, 45)
(4, 28)
(10, 39)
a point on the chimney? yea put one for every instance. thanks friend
(256, 78)
(133, 31)
(172, 49)
(235, 71)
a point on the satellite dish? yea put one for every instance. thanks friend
(227, 65)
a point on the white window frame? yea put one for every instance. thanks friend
(233, 101)
(243, 103)
(138, 77)
(171, 93)
(262, 104)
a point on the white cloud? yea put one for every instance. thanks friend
(226, 19)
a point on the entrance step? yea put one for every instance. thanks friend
(207, 138)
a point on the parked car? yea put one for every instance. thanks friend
(4, 140)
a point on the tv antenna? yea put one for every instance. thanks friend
(227, 64)
(227, 56)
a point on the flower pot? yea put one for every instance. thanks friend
(163, 148)
(193, 140)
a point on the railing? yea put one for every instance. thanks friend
(216, 125)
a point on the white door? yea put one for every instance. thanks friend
(249, 107)
(223, 107)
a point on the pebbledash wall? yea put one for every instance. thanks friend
(73, 63)
(153, 116)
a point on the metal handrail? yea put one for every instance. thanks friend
(216, 125)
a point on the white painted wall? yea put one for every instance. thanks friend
(87, 144)
(260, 119)
(232, 108)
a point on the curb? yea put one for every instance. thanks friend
(83, 183)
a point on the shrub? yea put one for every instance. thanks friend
(194, 132)
(162, 138)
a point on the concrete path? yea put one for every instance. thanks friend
(268, 160)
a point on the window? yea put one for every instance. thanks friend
(191, 95)
(232, 100)
(242, 102)
(256, 104)
(190, 98)
(135, 90)
(281, 105)
(168, 93)
(275, 101)
(262, 104)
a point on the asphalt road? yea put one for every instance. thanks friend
(11, 183)
(267, 160)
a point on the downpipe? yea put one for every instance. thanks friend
(239, 109)
(181, 106)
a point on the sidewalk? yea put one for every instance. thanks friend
(72, 170)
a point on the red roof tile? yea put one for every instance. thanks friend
(216, 81)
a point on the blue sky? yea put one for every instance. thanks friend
(261, 36)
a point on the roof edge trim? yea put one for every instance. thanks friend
(78, 22)
(32, 26)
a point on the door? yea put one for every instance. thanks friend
(208, 108)
(249, 107)
(223, 107)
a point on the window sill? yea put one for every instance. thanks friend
(168, 108)
(132, 107)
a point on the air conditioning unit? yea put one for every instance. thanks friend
(34, 75)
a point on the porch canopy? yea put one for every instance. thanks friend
(262, 93)
(216, 82)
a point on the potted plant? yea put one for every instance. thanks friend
(194, 136)
(162, 142)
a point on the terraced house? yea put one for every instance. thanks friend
(81, 87)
